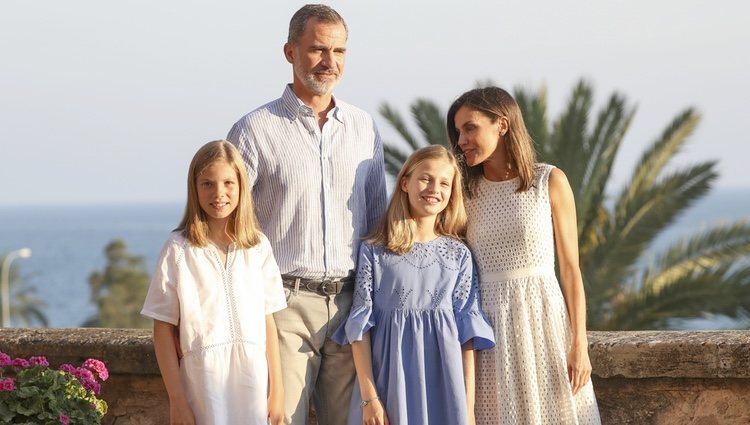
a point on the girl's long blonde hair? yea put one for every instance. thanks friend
(494, 103)
(397, 229)
(243, 227)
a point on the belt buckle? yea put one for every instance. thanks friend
(324, 285)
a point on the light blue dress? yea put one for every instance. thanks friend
(419, 308)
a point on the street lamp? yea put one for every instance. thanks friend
(5, 284)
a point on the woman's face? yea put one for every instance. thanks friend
(478, 136)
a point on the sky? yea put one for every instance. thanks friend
(105, 102)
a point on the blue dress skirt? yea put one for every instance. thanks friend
(419, 309)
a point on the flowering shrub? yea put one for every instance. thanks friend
(32, 393)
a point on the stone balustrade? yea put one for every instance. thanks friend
(643, 377)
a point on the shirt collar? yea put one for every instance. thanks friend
(295, 108)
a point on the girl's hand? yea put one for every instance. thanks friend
(275, 410)
(579, 366)
(374, 414)
(180, 413)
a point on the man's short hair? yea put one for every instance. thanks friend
(321, 12)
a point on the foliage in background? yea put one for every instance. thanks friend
(119, 290)
(26, 309)
(626, 288)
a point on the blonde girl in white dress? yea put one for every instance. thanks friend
(521, 216)
(212, 297)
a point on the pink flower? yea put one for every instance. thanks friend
(20, 362)
(86, 378)
(7, 384)
(39, 361)
(91, 385)
(64, 419)
(83, 374)
(97, 366)
(67, 367)
(5, 359)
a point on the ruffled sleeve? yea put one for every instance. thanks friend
(360, 318)
(162, 302)
(471, 322)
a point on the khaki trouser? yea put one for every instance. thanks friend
(311, 364)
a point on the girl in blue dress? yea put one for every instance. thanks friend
(415, 320)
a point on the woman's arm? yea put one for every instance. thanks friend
(571, 282)
(468, 355)
(165, 343)
(275, 385)
(373, 413)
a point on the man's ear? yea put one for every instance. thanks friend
(289, 52)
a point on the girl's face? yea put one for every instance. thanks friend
(478, 136)
(429, 187)
(218, 191)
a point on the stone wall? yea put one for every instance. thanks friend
(639, 377)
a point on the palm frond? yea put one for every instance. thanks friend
(611, 125)
(431, 121)
(394, 119)
(638, 222)
(534, 110)
(654, 159)
(568, 140)
(714, 290)
(27, 307)
(721, 245)
(394, 158)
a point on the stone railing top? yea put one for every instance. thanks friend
(123, 350)
(673, 354)
(636, 354)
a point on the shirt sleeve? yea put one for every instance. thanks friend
(241, 136)
(377, 198)
(162, 302)
(470, 320)
(273, 288)
(360, 318)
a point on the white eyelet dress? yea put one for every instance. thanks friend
(524, 379)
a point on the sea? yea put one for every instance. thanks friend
(68, 241)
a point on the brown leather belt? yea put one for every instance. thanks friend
(321, 286)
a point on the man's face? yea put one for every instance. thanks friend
(318, 57)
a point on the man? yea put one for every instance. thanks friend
(316, 168)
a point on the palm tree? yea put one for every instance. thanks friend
(26, 309)
(626, 286)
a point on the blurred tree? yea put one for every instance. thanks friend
(626, 287)
(26, 309)
(119, 291)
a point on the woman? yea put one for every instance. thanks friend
(520, 213)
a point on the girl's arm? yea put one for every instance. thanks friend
(373, 413)
(571, 282)
(275, 385)
(165, 342)
(467, 351)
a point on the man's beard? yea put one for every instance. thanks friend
(316, 86)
